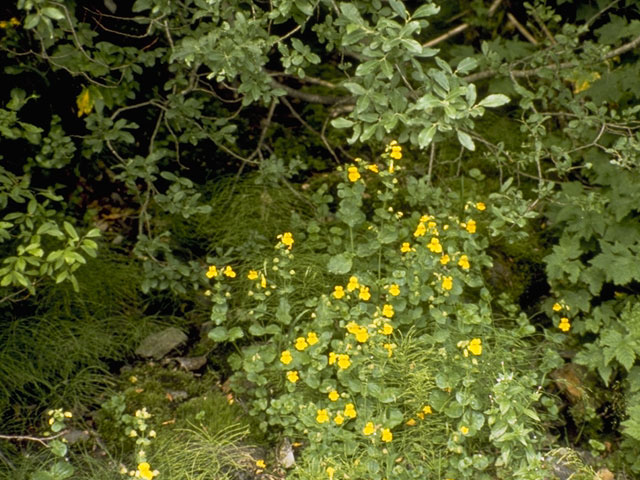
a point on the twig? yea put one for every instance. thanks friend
(311, 97)
(42, 440)
(595, 17)
(525, 33)
(544, 28)
(263, 133)
(432, 156)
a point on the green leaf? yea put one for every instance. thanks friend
(466, 141)
(399, 8)
(341, 122)
(53, 13)
(494, 100)
(235, 333)
(58, 448)
(32, 21)
(219, 334)
(340, 264)
(466, 65)
(70, 230)
(426, 135)
(427, 10)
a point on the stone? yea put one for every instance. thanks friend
(159, 344)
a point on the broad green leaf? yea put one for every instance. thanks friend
(426, 135)
(465, 140)
(466, 65)
(341, 122)
(427, 10)
(494, 100)
(339, 264)
(219, 334)
(53, 13)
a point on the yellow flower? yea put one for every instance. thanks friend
(261, 464)
(389, 348)
(434, 245)
(411, 422)
(386, 435)
(334, 395)
(564, 324)
(464, 430)
(353, 284)
(343, 361)
(369, 428)
(556, 307)
(84, 103)
(252, 275)
(285, 357)
(427, 410)
(338, 291)
(339, 419)
(394, 290)
(396, 150)
(331, 472)
(420, 415)
(287, 239)
(350, 410)
(373, 168)
(475, 346)
(420, 230)
(362, 335)
(353, 327)
(406, 247)
(364, 293)
(332, 358)
(471, 226)
(387, 329)
(263, 281)
(228, 271)
(4, 24)
(14, 21)
(447, 283)
(292, 376)
(387, 310)
(464, 262)
(312, 338)
(212, 272)
(144, 471)
(354, 175)
(322, 416)
(444, 259)
(481, 206)
(301, 344)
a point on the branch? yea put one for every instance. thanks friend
(311, 97)
(42, 440)
(525, 33)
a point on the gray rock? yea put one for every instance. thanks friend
(159, 344)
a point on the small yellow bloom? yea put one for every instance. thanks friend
(322, 416)
(312, 338)
(396, 150)
(388, 347)
(362, 335)
(420, 230)
(144, 471)
(338, 292)
(252, 275)
(447, 283)
(444, 259)
(471, 226)
(301, 344)
(386, 435)
(369, 428)
(353, 327)
(394, 290)
(364, 293)
(464, 262)
(228, 271)
(387, 329)
(481, 206)
(14, 21)
(353, 175)
(332, 358)
(285, 357)
(344, 361)
(353, 284)
(263, 281)
(475, 346)
(411, 422)
(564, 324)
(84, 103)
(287, 240)
(373, 168)
(350, 410)
(427, 410)
(406, 247)
(212, 272)
(261, 464)
(464, 430)
(556, 307)
(334, 395)
(420, 415)
(292, 376)
(434, 245)
(339, 419)
(331, 472)
(387, 310)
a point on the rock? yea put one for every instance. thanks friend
(191, 364)
(159, 344)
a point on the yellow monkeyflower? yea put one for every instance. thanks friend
(261, 464)
(228, 271)
(292, 376)
(322, 416)
(444, 259)
(464, 430)
(331, 472)
(338, 292)
(481, 206)
(353, 174)
(406, 247)
(373, 168)
(420, 230)
(353, 284)
(464, 262)
(252, 275)
(212, 272)
(434, 245)
(564, 324)
(411, 422)
(364, 293)
(344, 361)
(387, 310)
(84, 102)
(287, 239)
(396, 150)
(312, 338)
(339, 419)
(263, 281)
(387, 329)
(369, 428)
(334, 395)
(362, 335)
(386, 435)
(394, 290)
(475, 346)
(447, 283)
(285, 357)
(471, 226)
(4, 24)
(353, 327)
(350, 410)
(332, 358)
(427, 410)
(301, 344)
(556, 307)
(389, 348)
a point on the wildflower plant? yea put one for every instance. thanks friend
(405, 365)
